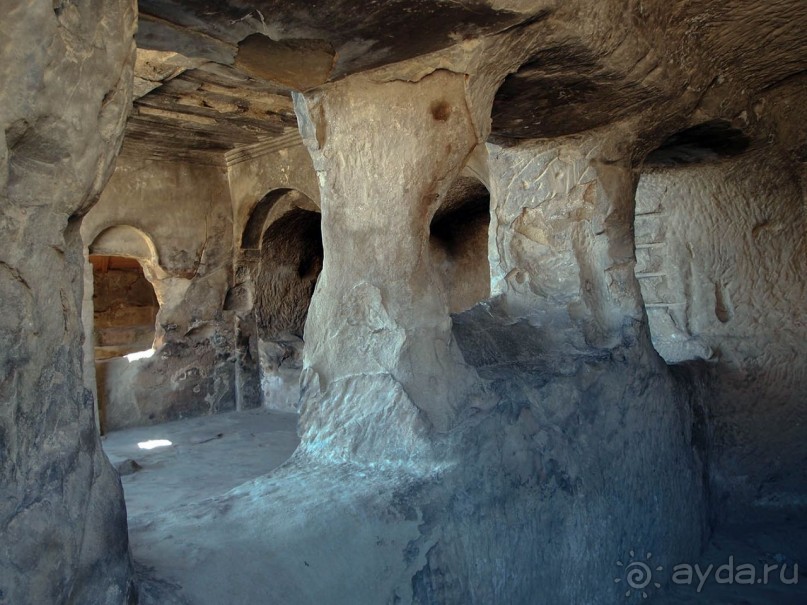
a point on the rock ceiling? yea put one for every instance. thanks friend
(215, 76)
(214, 79)
(211, 108)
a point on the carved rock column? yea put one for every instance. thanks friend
(379, 350)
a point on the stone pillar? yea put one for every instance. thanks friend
(561, 244)
(66, 70)
(248, 393)
(240, 300)
(378, 334)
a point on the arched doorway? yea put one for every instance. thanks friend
(277, 270)
(119, 312)
(124, 307)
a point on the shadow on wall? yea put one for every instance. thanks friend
(707, 142)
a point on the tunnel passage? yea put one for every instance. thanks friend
(459, 242)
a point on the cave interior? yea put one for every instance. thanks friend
(432, 302)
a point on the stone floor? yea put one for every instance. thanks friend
(207, 457)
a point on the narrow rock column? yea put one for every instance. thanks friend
(562, 237)
(240, 300)
(378, 334)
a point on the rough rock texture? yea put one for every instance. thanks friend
(540, 408)
(562, 243)
(730, 287)
(488, 165)
(66, 88)
(291, 260)
(386, 33)
(539, 466)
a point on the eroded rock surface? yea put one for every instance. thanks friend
(66, 88)
(463, 238)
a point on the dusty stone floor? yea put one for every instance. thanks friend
(212, 455)
(208, 456)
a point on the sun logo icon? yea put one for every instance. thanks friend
(638, 575)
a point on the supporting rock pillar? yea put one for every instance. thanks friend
(379, 348)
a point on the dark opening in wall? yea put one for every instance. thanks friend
(459, 242)
(286, 274)
(276, 273)
(291, 260)
(124, 307)
(281, 198)
(707, 142)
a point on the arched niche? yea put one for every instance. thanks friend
(125, 241)
(273, 204)
(120, 308)
(459, 241)
(276, 272)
